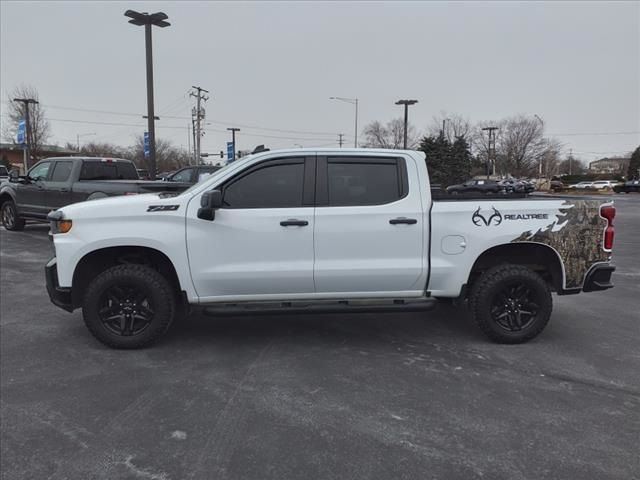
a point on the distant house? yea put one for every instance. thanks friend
(13, 154)
(614, 166)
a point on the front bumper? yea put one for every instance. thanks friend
(599, 278)
(59, 296)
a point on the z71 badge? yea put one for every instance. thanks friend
(162, 208)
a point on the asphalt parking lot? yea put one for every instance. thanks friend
(358, 396)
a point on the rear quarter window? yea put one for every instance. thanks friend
(108, 171)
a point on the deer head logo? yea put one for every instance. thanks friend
(494, 219)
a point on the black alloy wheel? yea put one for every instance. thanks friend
(126, 310)
(515, 308)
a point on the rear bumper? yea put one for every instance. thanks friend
(599, 278)
(59, 296)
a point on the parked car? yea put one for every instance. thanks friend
(529, 186)
(556, 185)
(582, 185)
(603, 184)
(513, 185)
(627, 187)
(192, 174)
(476, 186)
(329, 230)
(56, 182)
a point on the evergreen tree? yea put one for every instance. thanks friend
(634, 165)
(448, 163)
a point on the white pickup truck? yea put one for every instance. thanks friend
(323, 230)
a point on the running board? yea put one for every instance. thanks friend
(359, 305)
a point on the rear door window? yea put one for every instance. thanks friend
(353, 182)
(62, 171)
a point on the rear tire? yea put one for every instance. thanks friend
(10, 218)
(128, 306)
(511, 303)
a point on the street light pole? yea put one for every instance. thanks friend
(541, 123)
(406, 104)
(352, 101)
(78, 135)
(148, 20)
(491, 151)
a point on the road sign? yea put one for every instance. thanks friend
(21, 132)
(146, 145)
(230, 153)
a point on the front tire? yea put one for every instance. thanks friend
(128, 306)
(511, 303)
(10, 218)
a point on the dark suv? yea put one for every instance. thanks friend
(476, 186)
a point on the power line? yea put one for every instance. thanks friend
(178, 117)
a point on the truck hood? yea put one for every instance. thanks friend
(121, 206)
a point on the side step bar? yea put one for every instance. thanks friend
(358, 305)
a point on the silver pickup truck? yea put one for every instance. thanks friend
(56, 182)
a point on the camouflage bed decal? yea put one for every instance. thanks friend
(576, 235)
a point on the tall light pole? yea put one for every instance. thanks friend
(352, 101)
(406, 104)
(148, 20)
(78, 135)
(541, 123)
(444, 120)
(491, 150)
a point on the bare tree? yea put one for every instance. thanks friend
(521, 148)
(101, 149)
(168, 156)
(455, 126)
(40, 129)
(390, 135)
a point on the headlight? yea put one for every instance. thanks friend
(61, 226)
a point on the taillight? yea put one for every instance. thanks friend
(608, 212)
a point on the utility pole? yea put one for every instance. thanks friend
(352, 101)
(193, 133)
(491, 150)
(199, 116)
(406, 104)
(28, 133)
(233, 131)
(340, 135)
(189, 140)
(570, 159)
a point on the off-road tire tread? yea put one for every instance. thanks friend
(481, 291)
(165, 309)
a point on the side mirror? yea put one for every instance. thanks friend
(13, 176)
(209, 202)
